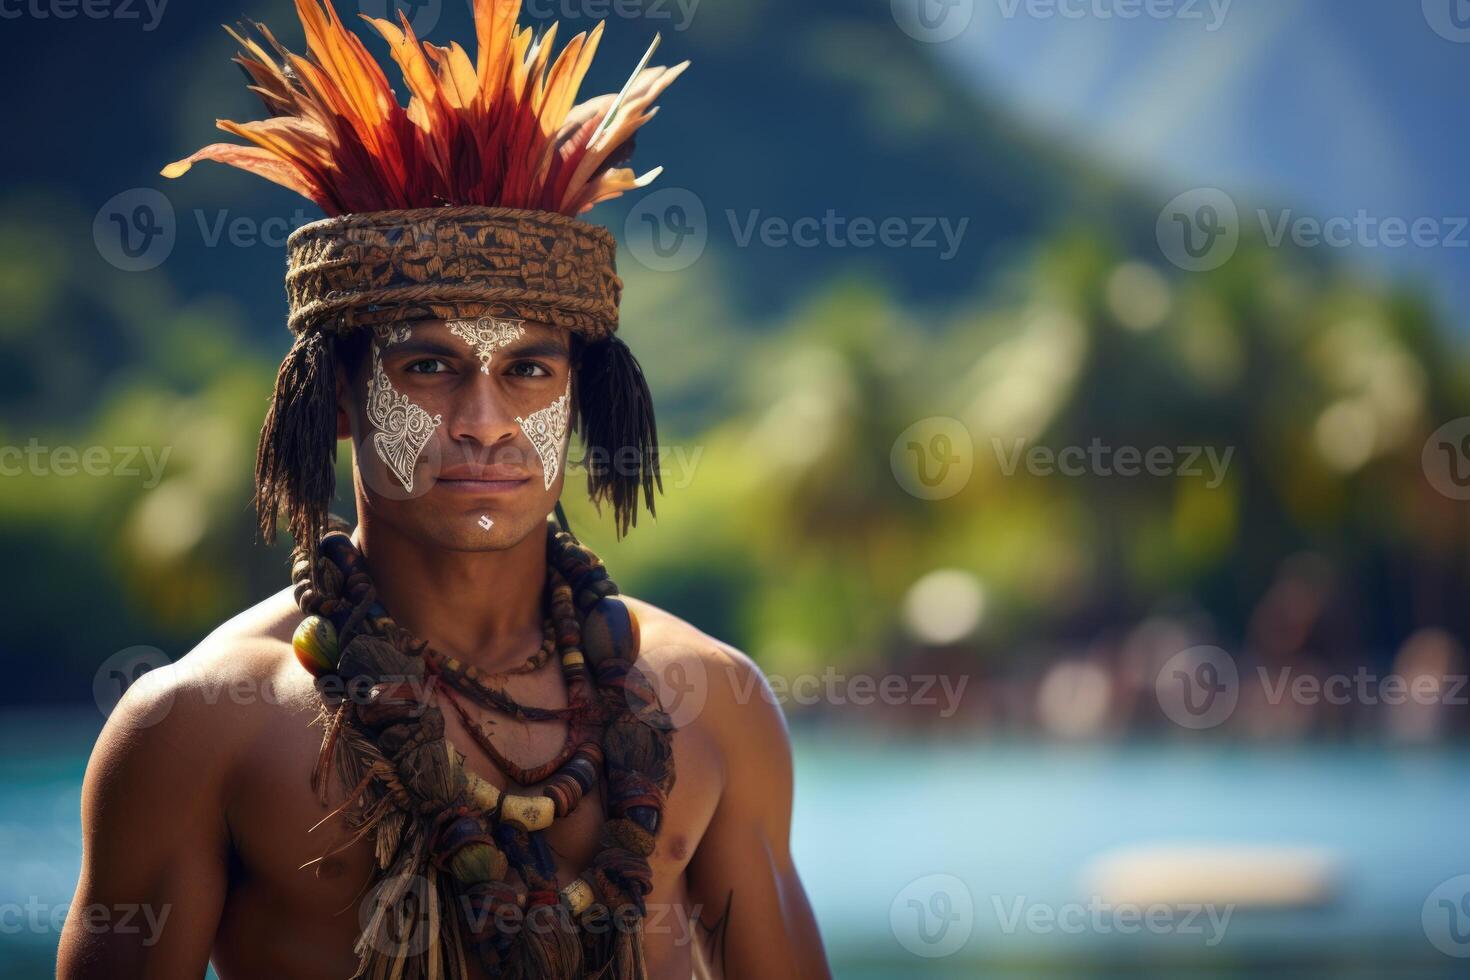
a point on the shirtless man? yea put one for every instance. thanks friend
(457, 346)
(198, 801)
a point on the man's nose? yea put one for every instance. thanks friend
(482, 415)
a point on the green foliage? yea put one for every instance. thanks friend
(784, 528)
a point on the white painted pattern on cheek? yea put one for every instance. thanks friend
(547, 430)
(404, 428)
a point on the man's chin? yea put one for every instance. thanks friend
(483, 532)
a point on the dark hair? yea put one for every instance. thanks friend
(295, 466)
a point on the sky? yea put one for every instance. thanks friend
(1330, 108)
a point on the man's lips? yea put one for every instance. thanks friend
(492, 479)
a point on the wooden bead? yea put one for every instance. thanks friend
(610, 631)
(315, 646)
(476, 863)
(564, 794)
(482, 794)
(527, 812)
(578, 896)
(645, 817)
(581, 769)
(389, 702)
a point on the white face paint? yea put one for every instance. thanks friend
(404, 429)
(486, 336)
(547, 430)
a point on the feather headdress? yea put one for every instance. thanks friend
(502, 130)
(459, 205)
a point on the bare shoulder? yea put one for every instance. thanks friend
(709, 687)
(229, 689)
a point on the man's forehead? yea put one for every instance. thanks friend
(518, 332)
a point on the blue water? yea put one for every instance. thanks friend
(1016, 825)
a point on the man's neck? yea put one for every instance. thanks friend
(484, 608)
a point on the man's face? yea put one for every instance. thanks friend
(459, 429)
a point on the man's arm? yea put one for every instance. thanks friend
(753, 916)
(155, 844)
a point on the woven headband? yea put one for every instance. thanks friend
(367, 269)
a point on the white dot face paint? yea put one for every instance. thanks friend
(486, 335)
(547, 430)
(404, 429)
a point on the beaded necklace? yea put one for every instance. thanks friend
(443, 837)
(574, 767)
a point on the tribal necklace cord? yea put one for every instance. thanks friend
(461, 865)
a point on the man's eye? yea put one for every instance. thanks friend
(528, 369)
(427, 365)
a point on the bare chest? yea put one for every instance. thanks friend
(300, 886)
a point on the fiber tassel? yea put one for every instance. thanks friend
(614, 416)
(324, 757)
(550, 945)
(295, 464)
(435, 968)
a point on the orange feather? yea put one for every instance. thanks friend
(503, 128)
